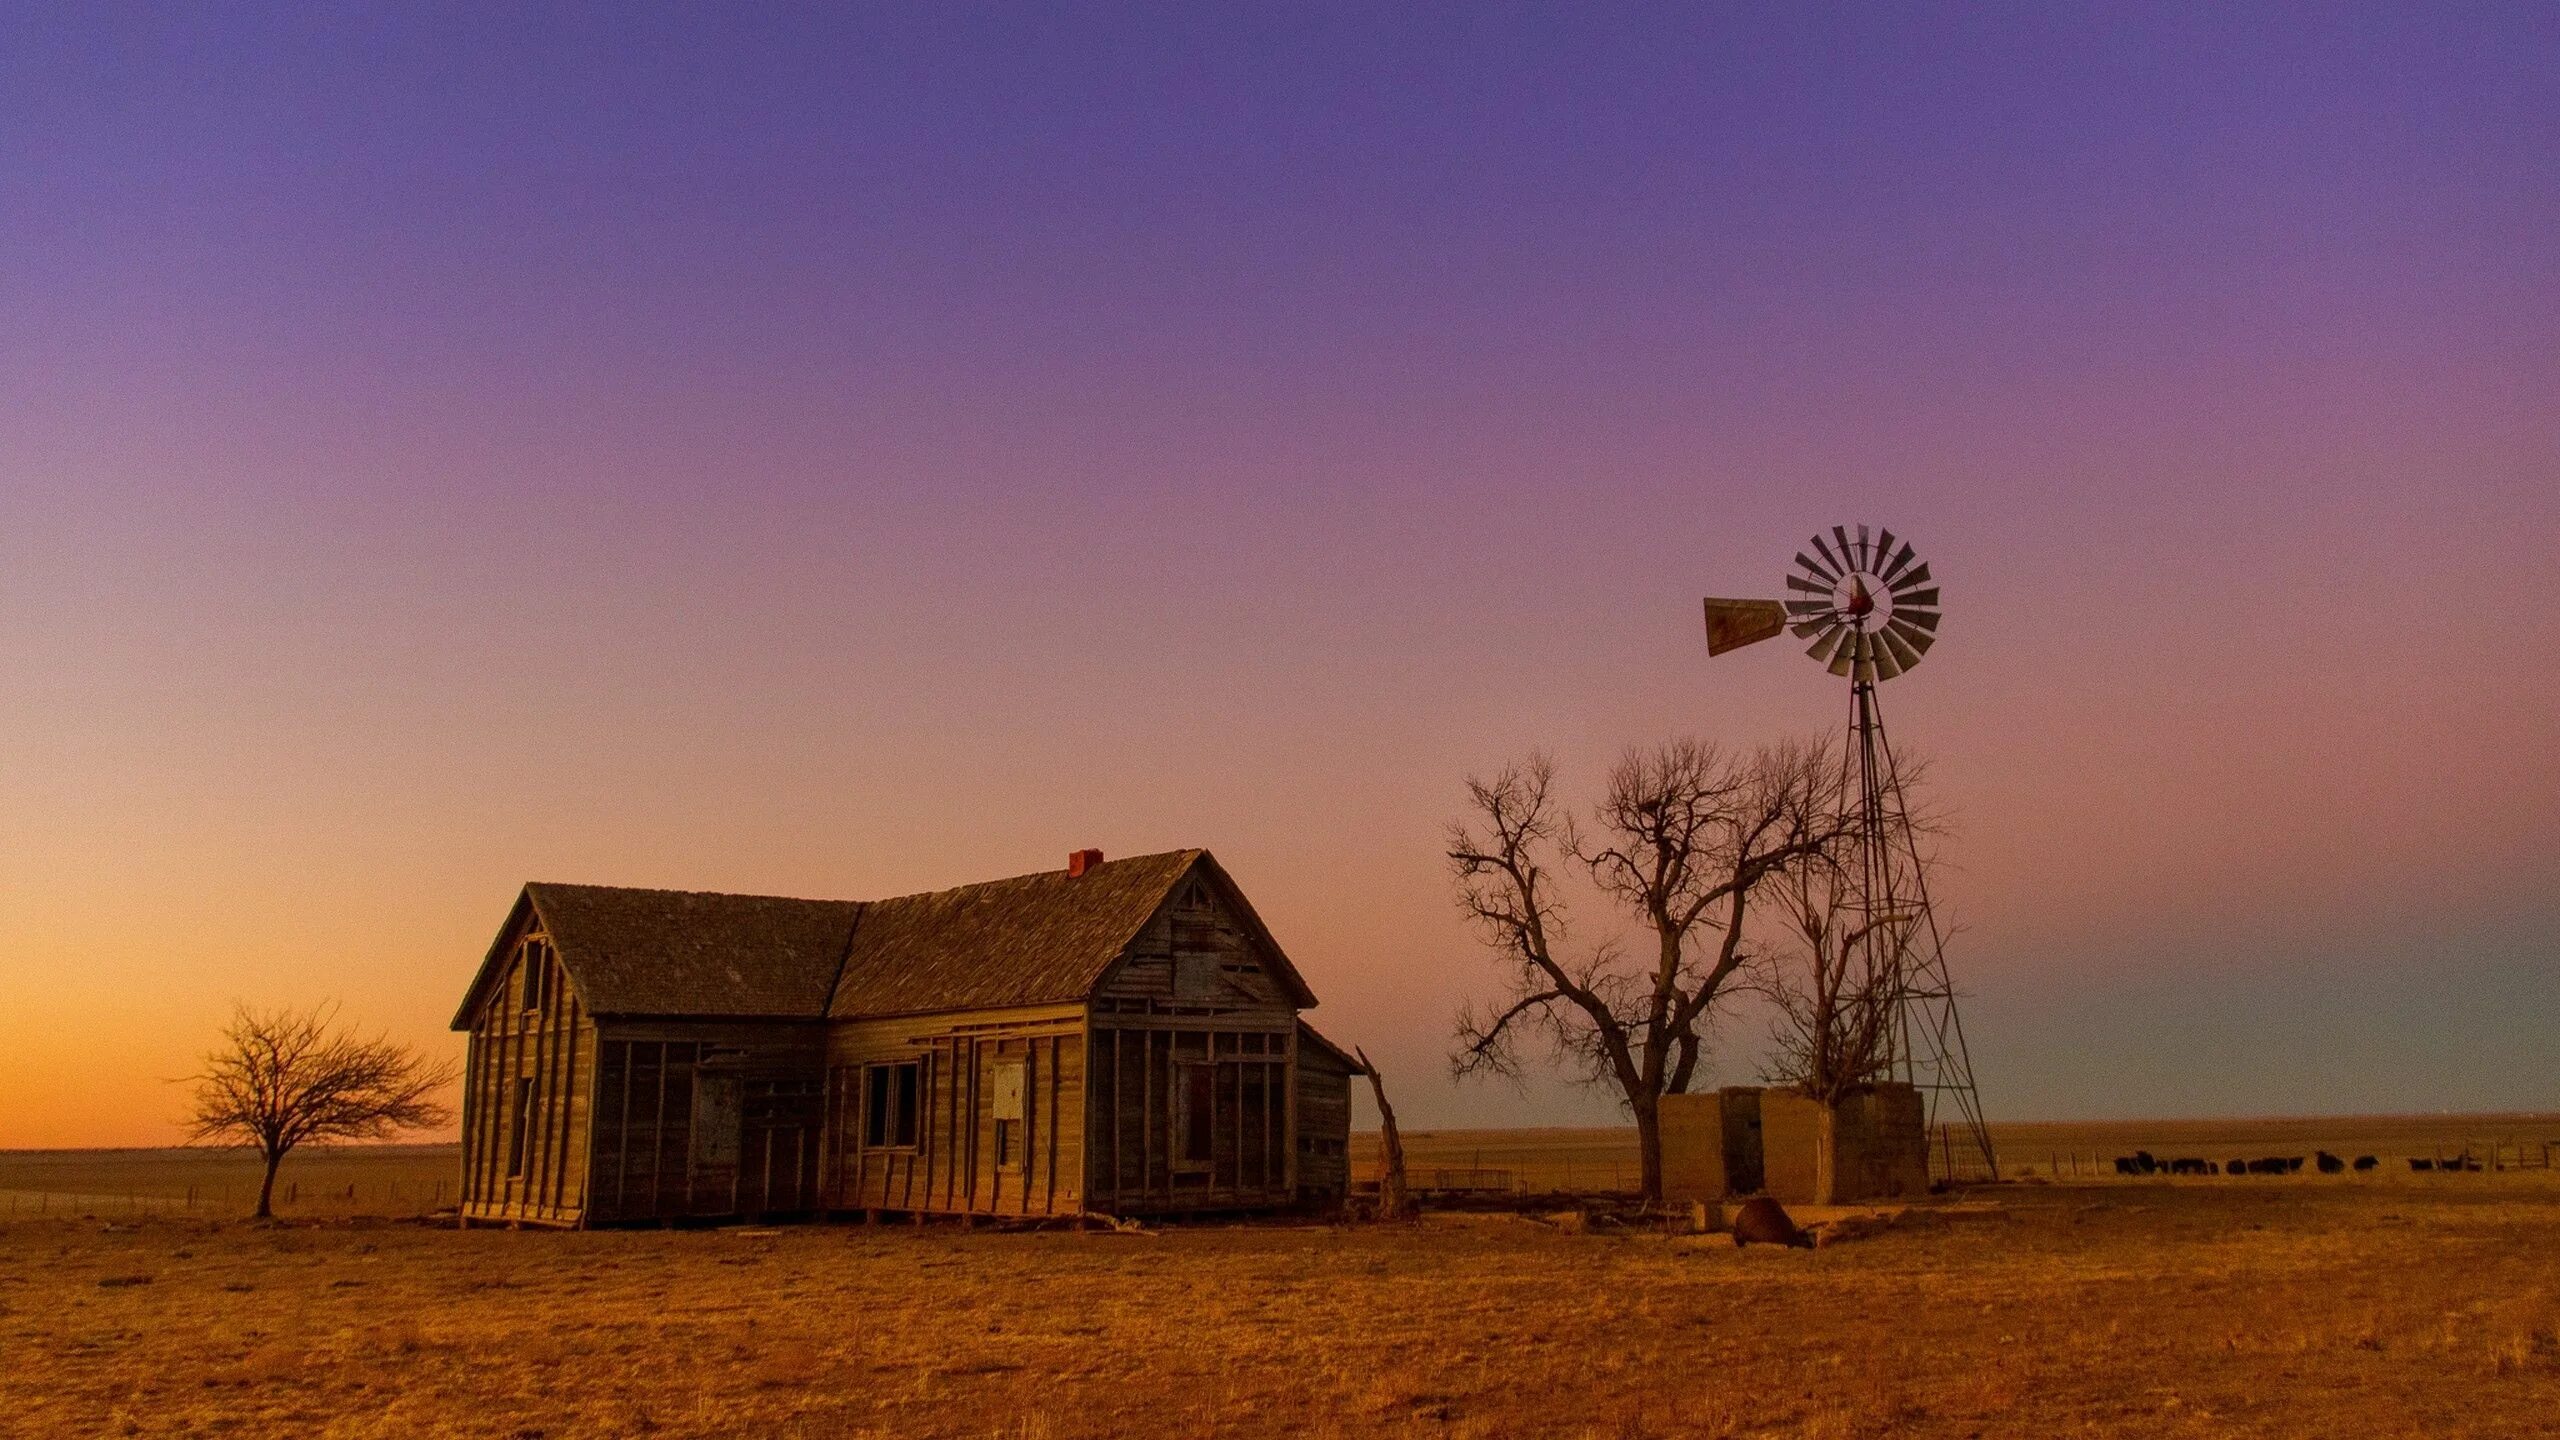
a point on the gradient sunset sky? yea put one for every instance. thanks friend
(844, 454)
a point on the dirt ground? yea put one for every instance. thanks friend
(2318, 1305)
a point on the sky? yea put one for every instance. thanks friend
(850, 451)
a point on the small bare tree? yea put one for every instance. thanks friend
(284, 1077)
(1684, 836)
(1836, 976)
(1834, 980)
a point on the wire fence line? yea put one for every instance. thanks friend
(388, 1198)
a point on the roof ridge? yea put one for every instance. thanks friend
(1188, 852)
(844, 956)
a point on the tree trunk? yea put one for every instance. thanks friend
(267, 1189)
(1648, 1110)
(1826, 1153)
(1394, 1201)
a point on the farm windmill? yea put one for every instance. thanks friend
(1871, 610)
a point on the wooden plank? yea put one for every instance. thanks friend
(1289, 1116)
(568, 1107)
(622, 1138)
(1049, 1202)
(1146, 1114)
(658, 1141)
(538, 1162)
(969, 1118)
(471, 1118)
(1119, 1092)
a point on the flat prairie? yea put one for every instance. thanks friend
(2390, 1304)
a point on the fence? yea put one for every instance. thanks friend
(2484, 1157)
(391, 1197)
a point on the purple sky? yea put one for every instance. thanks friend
(844, 456)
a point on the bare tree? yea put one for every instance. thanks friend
(1836, 976)
(1684, 835)
(284, 1077)
(1834, 980)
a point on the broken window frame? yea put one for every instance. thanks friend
(892, 1104)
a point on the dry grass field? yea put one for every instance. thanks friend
(2385, 1305)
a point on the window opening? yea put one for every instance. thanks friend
(523, 1119)
(890, 1105)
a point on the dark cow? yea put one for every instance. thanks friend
(2421, 1164)
(2191, 1167)
(1763, 1221)
(2236, 1167)
(2330, 1164)
(2140, 1162)
(2365, 1162)
(2272, 1165)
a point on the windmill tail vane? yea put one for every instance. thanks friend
(1869, 606)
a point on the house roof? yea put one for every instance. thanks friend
(1030, 940)
(1308, 1036)
(685, 952)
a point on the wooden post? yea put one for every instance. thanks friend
(1119, 1088)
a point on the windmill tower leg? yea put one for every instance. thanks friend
(1930, 1050)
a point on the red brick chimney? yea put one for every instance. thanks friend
(1079, 861)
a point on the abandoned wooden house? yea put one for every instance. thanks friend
(1121, 1038)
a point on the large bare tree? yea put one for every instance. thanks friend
(1684, 835)
(282, 1078)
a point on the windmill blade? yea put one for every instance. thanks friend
(1886, 666)
(1732, 624)
(1926, 599)
(1811, 627)
(1916, 577)
(1825, 552)
(1901, 627)
(1883, 550)
(1899, 648)
(1813, 587)
(1845, 658)
(1866, 667)
(1914, 615)
(1829, 645)
(1866, 555)
(1894, 566)
(1807, 607)
(1819, 570)
(1840, 533)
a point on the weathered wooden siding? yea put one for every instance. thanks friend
(952, 1166)
(1194, 958)
(526, 1081)
(1191, 1013)
(1324, 1126)
(705, 1119)
(1149, 1081)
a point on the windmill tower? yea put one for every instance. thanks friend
(1871, 610)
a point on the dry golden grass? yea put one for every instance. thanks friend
(2389, 1307)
